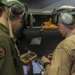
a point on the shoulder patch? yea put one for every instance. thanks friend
(2, 52)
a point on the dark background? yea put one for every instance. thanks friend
(38, 4)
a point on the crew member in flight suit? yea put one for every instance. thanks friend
(63, 59)
(11, 18)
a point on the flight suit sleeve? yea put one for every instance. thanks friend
(4, 52)
(61, 62)
(2, 57)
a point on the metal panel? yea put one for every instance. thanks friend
(38, 4)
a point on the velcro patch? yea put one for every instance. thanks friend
(2, 52)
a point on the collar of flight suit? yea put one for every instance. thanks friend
(72, 32)
(3, 28)
(6, 30)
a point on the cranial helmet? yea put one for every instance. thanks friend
(16, 7)
(11, 2)
(66, 14)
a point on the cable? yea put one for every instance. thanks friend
(39, 65)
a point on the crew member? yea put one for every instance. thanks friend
(12, 13)
(63, 59)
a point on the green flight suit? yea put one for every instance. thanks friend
(10, 63)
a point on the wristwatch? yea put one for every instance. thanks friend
(45, 64)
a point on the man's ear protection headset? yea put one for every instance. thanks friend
(17, 10)
(66, 17)
(26, 12)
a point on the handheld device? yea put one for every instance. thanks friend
(28, 57)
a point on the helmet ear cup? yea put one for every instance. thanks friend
(16, 10)
(26, 12)
(67, 19)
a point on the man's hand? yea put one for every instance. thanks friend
(44, 59)
(50, 56)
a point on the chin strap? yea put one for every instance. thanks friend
(10, 30)
(9, 24)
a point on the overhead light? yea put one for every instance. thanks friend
(47, 11)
